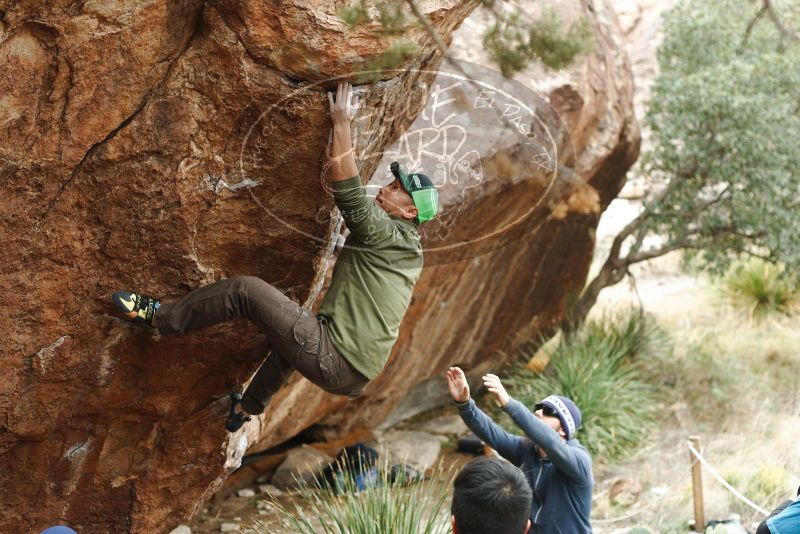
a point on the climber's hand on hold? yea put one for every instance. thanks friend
(343, 163)
(457, 384)
(343, 107)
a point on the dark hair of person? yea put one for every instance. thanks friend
(491, 496)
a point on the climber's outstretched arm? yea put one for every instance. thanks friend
(342, 113)
(367, 223)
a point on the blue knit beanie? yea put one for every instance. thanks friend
(565, 410)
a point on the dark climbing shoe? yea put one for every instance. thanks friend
(235, 420)
(144, 307)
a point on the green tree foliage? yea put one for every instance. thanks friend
(514, 41)
(392, 15)
(725, 122)
(726, 131)
(355, 14)
(385, 64)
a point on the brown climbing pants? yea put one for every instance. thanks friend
(299, 338)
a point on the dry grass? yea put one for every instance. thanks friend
(731, 380)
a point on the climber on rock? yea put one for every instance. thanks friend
(557, 466)
(347, 342)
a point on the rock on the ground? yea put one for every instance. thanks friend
(624, 492)
(726, 526)
(302, 465)
(181, 529)
(229, 527)
(451, 425)
(417, 449)
(423, 396)
(269, 489)
(246, 492)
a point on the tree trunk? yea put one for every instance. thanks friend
(612, 272)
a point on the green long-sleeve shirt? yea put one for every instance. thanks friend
(372, 280)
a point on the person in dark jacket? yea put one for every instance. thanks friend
(557, 466)
(785, 519)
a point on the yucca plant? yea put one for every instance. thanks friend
(599, 369)
(390, 506)
(761, 287)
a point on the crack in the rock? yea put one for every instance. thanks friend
(145, 100)
(70, 85)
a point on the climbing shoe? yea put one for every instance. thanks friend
(235, 419)
(144, 307)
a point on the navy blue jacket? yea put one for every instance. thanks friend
(561, 483)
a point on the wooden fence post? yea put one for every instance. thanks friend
(697, 486)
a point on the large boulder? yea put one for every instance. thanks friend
(302, 466)
(419, 450)
(519, 237)
(162, 145)
(157, 145)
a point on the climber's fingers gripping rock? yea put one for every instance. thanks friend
(343, 106)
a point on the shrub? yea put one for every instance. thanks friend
(733, 477)
(514, 42)
(761, 287)
(599, 369)
(389, 507)
(770, 483)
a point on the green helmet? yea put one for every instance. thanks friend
(422, 191)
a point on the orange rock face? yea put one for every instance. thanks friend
(158, 146)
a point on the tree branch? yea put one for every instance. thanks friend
(750, 27)
(641, 233)
(445, 51)
(719, 198)
(657, 252)
(636, 291)
(768, 259)
(636, 225)
(785, 31)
